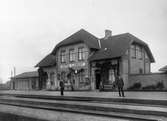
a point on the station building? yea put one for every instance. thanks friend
(83, 61)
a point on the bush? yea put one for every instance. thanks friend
(135, 86)
(160, 85)
(149, 87)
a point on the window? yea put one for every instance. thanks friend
(146, 58)
(81, 76)
(140, 52)
(136, 51)
(81, 53)
(62, 56)
(52, 79)
(71, 55)
(133, 49)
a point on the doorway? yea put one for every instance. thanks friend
(98, 80)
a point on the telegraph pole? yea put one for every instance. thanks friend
(14, 71)
(11, 73)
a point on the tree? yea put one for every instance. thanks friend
(1, 81)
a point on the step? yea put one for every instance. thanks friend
(108, 87)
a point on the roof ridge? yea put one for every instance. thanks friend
(117, 35)
(121, 34)
(27, 72)
(133, 36)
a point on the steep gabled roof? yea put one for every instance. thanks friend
(81, 36)
(117, 45)
(112, 47)
(49, 60)
(26, 75)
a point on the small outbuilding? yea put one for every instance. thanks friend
(163, 69)
(25, 81)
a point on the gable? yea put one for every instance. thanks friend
(81, 36)
(145, 45)
(116, 46)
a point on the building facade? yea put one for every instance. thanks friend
(84, 62)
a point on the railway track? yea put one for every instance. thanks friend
(87, 108)
(146, 102)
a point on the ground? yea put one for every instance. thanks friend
(42, 115)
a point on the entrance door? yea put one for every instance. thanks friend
(111, 77)
(98, 79)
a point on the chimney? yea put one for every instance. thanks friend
(108, 33)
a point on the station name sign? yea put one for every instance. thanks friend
(80, 64)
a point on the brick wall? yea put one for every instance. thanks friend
(148, 79)
(138, 64)
(124, 69)
(76, 64)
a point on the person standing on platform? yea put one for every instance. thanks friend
(72, 85)
(120, 84)
(61, 88)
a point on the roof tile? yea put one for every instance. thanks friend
(49, 60)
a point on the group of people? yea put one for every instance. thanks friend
(118, 82)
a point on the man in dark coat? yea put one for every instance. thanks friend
(62, 87)
(72, 85)
(120, 84)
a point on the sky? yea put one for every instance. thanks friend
(29, 29)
